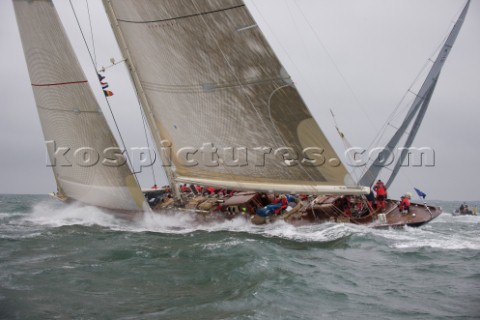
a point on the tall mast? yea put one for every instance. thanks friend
(143, 98)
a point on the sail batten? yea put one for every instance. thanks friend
(219, 97)
(81, 147)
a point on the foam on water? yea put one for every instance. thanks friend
(70, 261)
(51, 214)
(47, 214)
(438, 234)
(449, 217)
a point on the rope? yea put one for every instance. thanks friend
(148, 143)
(334, 64)
(398, 110)
(91, 32)
(108, 102)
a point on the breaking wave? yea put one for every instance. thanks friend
(437, 235)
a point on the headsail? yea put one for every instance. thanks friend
(70, 116)
(213, 88)
(417, 111)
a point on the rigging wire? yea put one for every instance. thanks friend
(148, 143)
(436, 53)
(317, 36)
(292, 60)
(299, 32)
(356, 171)
(346, 143)
(144, 123)
(398, 110)
(91, 32)
(108, 102)
(404, 174)
(377, 141)
(282, 46)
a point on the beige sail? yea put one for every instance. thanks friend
(215, 93)
(78, 138)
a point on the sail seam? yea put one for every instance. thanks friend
(185, 16)
(63, 110)
(201, 87)
(57, 84)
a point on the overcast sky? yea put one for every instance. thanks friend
(357, 57)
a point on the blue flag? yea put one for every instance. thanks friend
(420, 193)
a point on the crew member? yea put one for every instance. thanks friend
(381, 191)
(371, 199)
(405, 203)
(283, 201)
(210, 190)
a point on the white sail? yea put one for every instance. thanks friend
(417, 110)
(72, 122)
(213, 88)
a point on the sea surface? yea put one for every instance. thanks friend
(72, 262)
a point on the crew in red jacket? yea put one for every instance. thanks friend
(381, 191)
(404, 206)
(284, 203)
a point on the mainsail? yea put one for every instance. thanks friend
(86, 162)
(417, 111)
(218, 100)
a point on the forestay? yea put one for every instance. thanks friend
(214, 90)
(70, 116)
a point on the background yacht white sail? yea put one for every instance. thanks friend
(415, 115)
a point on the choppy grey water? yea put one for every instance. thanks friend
(72, 262)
